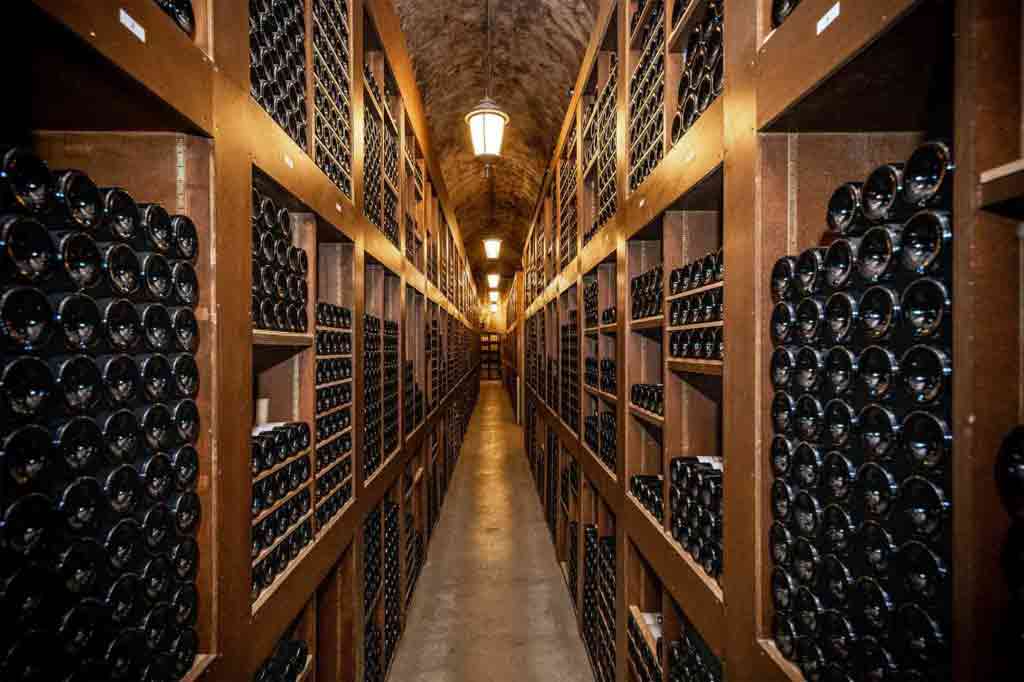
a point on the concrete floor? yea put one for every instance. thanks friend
(491, 603)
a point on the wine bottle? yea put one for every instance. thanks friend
(27, 252)
(26, 318)
(25, 182)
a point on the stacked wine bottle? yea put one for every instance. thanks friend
(702, 78)
(646, 661)
(433, 338)
(567, 212)
(647, 293)
(648, 489)
(646, 100)
(279, 289)
(372, 431)
(280, 499)
(590, 372)
(392, 590)
(599, 144)
(413, 554)
(649, 397)
(570, 346)
(689, 657)
(99, 429)
(373, 669)
(332, 92)
(609, 379)
(277, 63)
(599, 601)
(695, 506)
(590, 316)
(373, 202)
(288, 661)
(862, 372)
(391, 433)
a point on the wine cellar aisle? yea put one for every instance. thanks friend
(491, 603)
(740, 282)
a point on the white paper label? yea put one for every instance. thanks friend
(133, 26)
(715, 462)
(337, 207)
(288, 161)
(828, 17)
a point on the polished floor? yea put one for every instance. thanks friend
(491, 603)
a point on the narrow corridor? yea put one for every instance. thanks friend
(491, 604)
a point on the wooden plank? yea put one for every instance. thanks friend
(133, 35)
(689, 585)
(798, 56)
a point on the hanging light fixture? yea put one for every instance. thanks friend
(493, 280)
(487, 121)
(494, 307)
(493, 247)
(493, 294)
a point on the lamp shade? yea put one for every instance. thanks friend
(493, 280)
(493, 295)
(487, 128)
(492, 247)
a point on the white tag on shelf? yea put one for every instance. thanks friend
(133, 26)
(715, 462)
(337, 207)
(828, 17)
(288, 161)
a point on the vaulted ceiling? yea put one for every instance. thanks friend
(537, 47)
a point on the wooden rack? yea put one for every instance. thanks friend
(129, 68)
(835, 90)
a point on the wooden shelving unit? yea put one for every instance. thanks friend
(213, 138)
(830, 94)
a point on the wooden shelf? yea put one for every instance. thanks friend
(333, 357)
(269, 591)
(263, 337)
(646, 416)
(368, 613)
(390, 184)
(335, 465)
(307, 670)
(1002, 190)
(280, 465)
(280, 503)
(333, 437)
(654, 322)
(202, 663)
(696, 366)
(809, 48)
(610, 328)
(265, 552)
(333, 410)
(786, 669)
(696, 290)
(636, 33)
(701, 595)
(697, 325)
(333, 383)
(130, 36)
(323, 328)
(676, 38)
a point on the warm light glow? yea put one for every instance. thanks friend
(487, 128)
(494, 307)
(493, 279)
(492, 247)
(493, 294)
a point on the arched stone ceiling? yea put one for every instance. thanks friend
(537, 47)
